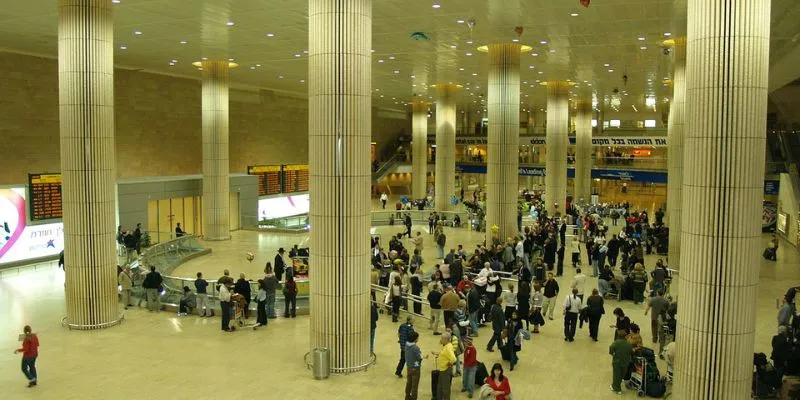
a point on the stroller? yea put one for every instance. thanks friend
(766, 382)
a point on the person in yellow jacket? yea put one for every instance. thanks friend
(444, 363)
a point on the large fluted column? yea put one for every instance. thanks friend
(340, 130)
(555, 191)
(583, 151)
(675, 133)
(419, 149)
(88, 162)
(216, 179)
(502, 175)
(539, 121)
(445, 145)
(726, 106)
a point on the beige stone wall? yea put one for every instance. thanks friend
(158, 124)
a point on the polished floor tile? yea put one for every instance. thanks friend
(152, 355)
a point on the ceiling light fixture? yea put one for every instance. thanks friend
(460, 21)
(515, 40)
(469, 54)
(380, 61)
(573, 14)
(535, 54)
(230, 59)
(280, 76)
(137, 33)
(452, 46)
(469, 41)
(643, 48)
(115, 1)
(531, 67)
(474, 74)
(270, 34)
(667, 34)
(391, 57)
(611, 70)
(552, 50)
(436, 4)
(184, 42)
(123, 47)
(543, 42)
(396, 71)
(641, 38)
(461, 69)
(229, 23)
(302, 81)
(606, 65)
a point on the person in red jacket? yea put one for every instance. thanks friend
(501, 387)
(470, 367)
(29, 350)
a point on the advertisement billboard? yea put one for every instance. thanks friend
(19, 240)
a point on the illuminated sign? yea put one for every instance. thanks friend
(45, 200)
(20, 241)
(625, 141)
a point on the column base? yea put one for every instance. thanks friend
(65, 323)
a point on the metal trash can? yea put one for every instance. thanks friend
(321, 363)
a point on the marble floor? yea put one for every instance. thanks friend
(153, 355)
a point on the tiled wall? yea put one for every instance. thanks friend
(157, 123)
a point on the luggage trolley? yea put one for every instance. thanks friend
(638, 381)
(238, 302)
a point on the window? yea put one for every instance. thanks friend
(614, 123)
(649, 123)
(594, 123)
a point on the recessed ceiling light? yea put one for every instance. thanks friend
(137, 33)
(535, 54)
(230, 59)
(474, 74)
(436, 4)
(641, 38)
(123, 47)
(667, 34)
(461, 69)
(452, 46)
(380, 61)
(199, 68)
(469, 54)
(174, 61)
(396, 71)
(229, 23)
(606, 65)
(297, 55)
(643, 48)
(171, 64)
(115, 1)
(543, 42)
(270, 34)
(391, 57)
(280, 76)
(552, 50)
(413, 76)
(302, 81)
(460, 21)
(531, 67)
(573, 14)
(253, 67)
(515, 40)
(204, 58)
(611, 70)
(541, 72)
(258, 65)
(184, 42)
(469, 41)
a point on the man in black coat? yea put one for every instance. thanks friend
(550, 249)
(280, 265)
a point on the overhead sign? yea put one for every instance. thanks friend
(624, 141)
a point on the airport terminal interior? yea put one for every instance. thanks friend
(349, 143)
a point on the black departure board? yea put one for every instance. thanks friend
(44, 199)
(269, 178)
(295, 178)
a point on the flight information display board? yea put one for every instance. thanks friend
(269, 178)
(45, 196)
(295, 178)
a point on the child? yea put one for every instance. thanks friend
(187, 302)
(470, 367)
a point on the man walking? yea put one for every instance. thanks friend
(413, 366)
(550, 294)
(659, 305)
(572, 307)
(449, 303)
(403, 336)
(384, 199)
(621, 352)
(126, 284)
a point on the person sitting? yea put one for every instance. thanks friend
(604, 281)
(187, 302)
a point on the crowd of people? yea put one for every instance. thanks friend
(505, 286)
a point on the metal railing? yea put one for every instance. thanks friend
(418, 217)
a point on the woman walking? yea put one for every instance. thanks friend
(524, 303)
(595, 312)
(396, 293)
(29, 350)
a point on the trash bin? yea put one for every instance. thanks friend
(321, 362)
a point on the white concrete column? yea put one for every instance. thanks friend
(502, 177)
(419, 149)
(340, 130)
(583, 151)
(216, 177)
(727, 68)
(675, 133)
(555, 192)
(88, 162)
(445, 145)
